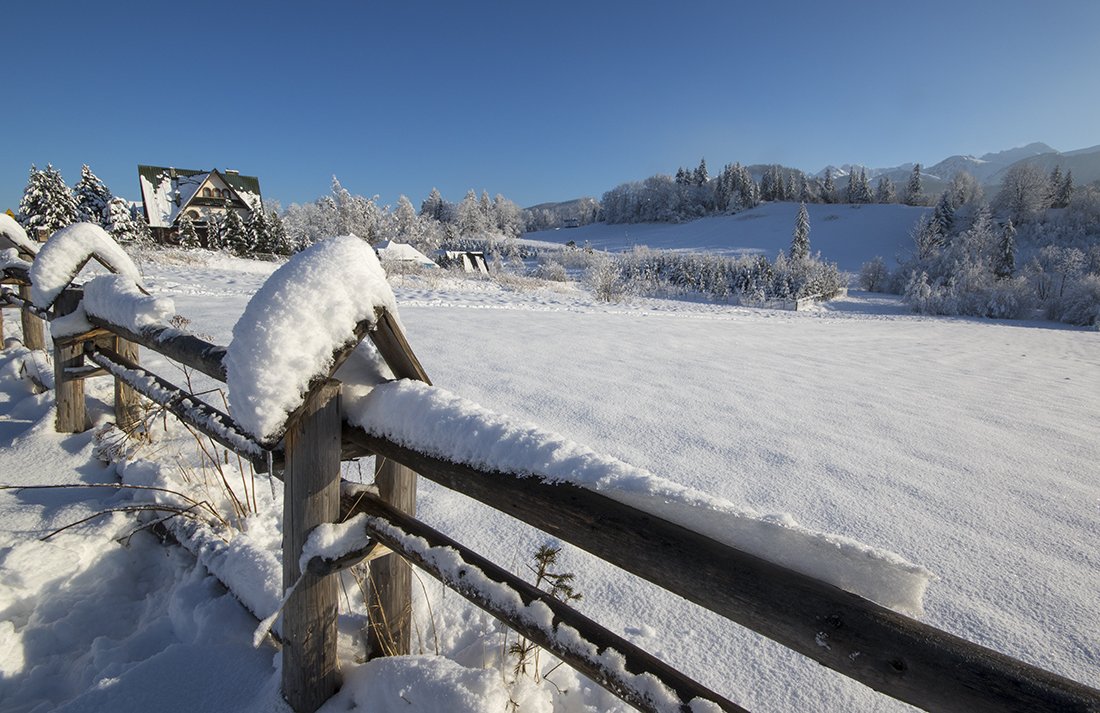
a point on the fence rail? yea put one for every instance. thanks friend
(896, 655)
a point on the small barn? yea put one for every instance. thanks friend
(468, 260)
(391, 251)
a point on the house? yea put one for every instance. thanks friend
(168, 194)
(389, 251)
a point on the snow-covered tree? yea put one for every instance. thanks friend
(471, 221)
(47, 202)
(873, 274)
(927, 239)
(235, 235)
(885, 191)
(122, 225)
(1061, 189)
(1004, 262)
(214, 232)
(92, 197)
(1024, 194)
(800, 242)
(828, 191)
(258, 232)
(914, 190)
(189, 237)
(944, 215)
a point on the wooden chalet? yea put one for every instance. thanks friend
(168, 194)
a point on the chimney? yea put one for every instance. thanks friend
(232, 172)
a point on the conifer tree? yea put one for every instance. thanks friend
(886, 192)
(258, 232)
(1004, 262)
(280, 242)
(214, 232)
(47, 202)
(235, 237)
(189, 237)
(944, 215)
(828, 192)
(701, 176)
(863, 188)
(432, 207)
(800, 243)
(92, 197)
(121, 224)
(1055, 187)
(914, 191)
(1064, 191)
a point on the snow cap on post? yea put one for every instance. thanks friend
(12, 235)
(64, 255)
(293, 325)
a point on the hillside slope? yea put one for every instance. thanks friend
(848, 235)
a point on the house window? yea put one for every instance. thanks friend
(193, 214)
(206, 193)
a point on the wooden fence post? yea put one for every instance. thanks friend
(389, 609)
(33, 335)
(69, 392)
(127, 401)
(311, 487)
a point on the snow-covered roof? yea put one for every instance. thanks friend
(402, 252)
(166, 192)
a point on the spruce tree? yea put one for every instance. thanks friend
(1055, 183)
(92, 197)
(432, 207)
(914, 191)
(828, 192)
(863, 192)
(1065, 191)
(121, 224)
(47, 202)
(280, 242)
(944, 215)
(1004, 262)
(235, 236)
(701, 176)
(886, 192)
(214, 232)
(800, 243)
(189, 237)
(259, 237)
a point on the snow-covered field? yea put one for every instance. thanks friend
(966, 446)
(848, 235)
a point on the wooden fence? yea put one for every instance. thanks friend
(891, 653)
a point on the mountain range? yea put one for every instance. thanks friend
(989, 168)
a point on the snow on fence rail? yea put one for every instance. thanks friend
(725, 564)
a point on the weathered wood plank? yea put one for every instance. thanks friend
(187, 349)
(190, 409)
(69, 391)
(889, 652)
(394, 348)
(33, 332)
(311, 497)
(390, 602)
(127, 400)
(636, 661)
(389, 606)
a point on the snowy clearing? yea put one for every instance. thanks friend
(966, 446)
(848, 235)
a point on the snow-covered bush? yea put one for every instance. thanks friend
(553, 271)
(1079, 303)
(605, 278)
(874, 274)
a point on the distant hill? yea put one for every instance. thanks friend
(848, 235)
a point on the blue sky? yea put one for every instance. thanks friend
(538, 101)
